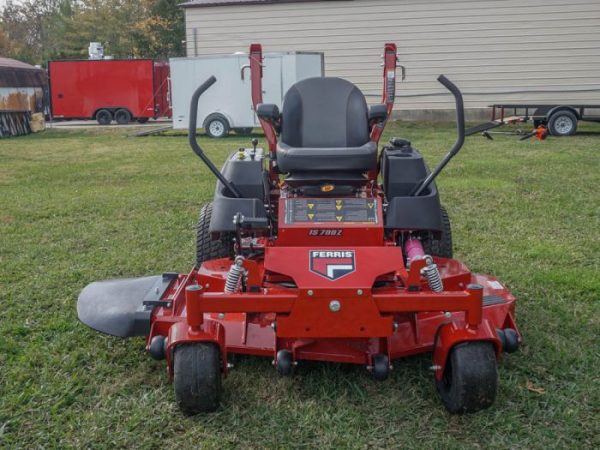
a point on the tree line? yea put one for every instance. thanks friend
(36, 31)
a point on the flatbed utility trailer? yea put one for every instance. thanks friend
(560, 120)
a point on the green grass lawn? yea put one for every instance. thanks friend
(82, 206)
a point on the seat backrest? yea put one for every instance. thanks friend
(324, 112)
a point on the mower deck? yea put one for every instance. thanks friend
(388, 319)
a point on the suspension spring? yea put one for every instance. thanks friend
(235, 275)
(432, 273)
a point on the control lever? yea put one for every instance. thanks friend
(460, 139)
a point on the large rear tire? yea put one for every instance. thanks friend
(470, 378)
(197, 377)
(441, 247)
(206, 247)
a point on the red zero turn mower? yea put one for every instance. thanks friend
(303, 255)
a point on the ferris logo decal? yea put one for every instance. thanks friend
(321, 232)
(332, 264)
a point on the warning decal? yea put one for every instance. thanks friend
(344, 210)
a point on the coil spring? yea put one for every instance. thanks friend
(234, 276)
(432, 273)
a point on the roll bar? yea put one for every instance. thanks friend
(390, 63)
(460, 140)
(192, 137)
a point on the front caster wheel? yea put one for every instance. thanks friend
(381, 367)
(284, 363)
(197, 377)
(470, 378)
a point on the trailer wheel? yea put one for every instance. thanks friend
(562, 123)
(243, 131)
(197, 377)
(470, 378)
(104, 117)
(441, 247)
(216, 126)
(122, 116)
(206, 247)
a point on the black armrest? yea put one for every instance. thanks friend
(377, 113)
(268, 112)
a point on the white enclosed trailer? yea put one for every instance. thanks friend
(227, 105)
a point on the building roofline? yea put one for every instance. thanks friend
(211, 3)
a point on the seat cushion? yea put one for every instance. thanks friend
(324, 112)
(359, 159)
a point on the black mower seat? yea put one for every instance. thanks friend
(325, 127)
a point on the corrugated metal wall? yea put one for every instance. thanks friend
(495, 50)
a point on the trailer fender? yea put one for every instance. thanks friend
(123, 307)
(564, 108)
(217, 114)
(546, 112)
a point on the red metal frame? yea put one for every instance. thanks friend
(256, 74)
(385, 307)
(390, 62)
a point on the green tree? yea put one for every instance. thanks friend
(38, 30)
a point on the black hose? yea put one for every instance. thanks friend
(192, 137)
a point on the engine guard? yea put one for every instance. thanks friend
(123, 307)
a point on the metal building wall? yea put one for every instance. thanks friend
(495, 50)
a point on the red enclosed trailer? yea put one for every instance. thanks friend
(107, 90)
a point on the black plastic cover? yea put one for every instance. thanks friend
(402, 168)
(268, 111)
(245, 173)
(247, 176)
(415, 213)
(121, 307)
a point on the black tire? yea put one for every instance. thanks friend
(104, 117)
(562, 123)
(142, 119)
(243, 131)
(470, 378)
(381, 367)
(197, 377)
(206, 247)
(216, 127)
(284, 363)
(122, 116)
(441, 247)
